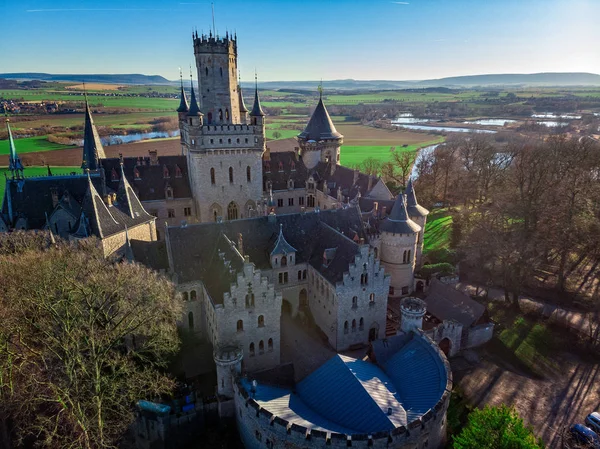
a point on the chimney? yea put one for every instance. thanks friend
(108, 200)
(240, 244)
(153, 157)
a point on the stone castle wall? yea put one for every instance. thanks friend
(145, 232)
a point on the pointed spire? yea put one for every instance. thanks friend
(281, 245)
(183, 104)
(243, 108)
(49, 170)
(398, 221)
(97, 215)
(92, 146)
(194, 109)
(14, 162)
(256, 109)
(320, 126)
(413, 207)
(127, 201)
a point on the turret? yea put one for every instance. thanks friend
(229, 364)
(183, 103)
(418, 214)
(243, 108)
(320, 141)
(194, 116)
(14, 162)
(412, 311)
(257, 116)
(398, 247)
(92, 146)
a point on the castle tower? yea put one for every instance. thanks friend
(216, 62)
(183, 103)
(399, 236)
(320, 141)
(412, 311)
(229, 363)
(418, 214)
(224, 152)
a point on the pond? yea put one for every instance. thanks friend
(118, 139)
(491, 121)
(552, 124)
(447, 129)
(407, 117)
(556, 116)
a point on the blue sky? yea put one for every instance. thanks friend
(308, 39)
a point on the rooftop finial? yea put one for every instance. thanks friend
(212, 5)
(320, 88)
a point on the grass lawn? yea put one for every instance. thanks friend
(437, 230)
(32, 144)
(33, 171)
(285, 133)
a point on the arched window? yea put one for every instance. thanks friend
(240, 326)
(227, 114)
(284, 261)
(193, 295)
(299, 275)
(372, 299)
(364, 279)
(220, 115)
(185, 296)
(250, 300)
(261, 347)
(270, 345)
(191, 320)
(361, 324)
(261, 321)
(354, 302)
(206, 71)
(353, 325)
(212, 176)
(345, 327)
(251, 349)
(248, 174)
(232, 211)
(215, 215)
(231, 175)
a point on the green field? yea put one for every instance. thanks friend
(352, 155)
(285, 133)
(33, 171)
(438, 230)
(32, 145)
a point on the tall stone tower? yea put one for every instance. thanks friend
(228, 360)
(412, 311)
(418, 214)
(224, 152)
(399, 235)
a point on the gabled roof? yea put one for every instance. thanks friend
(281, 245)
(320, 126)
(92, 146)
(412, 206)
(398, 221)
(127, 200)
(99, 218)
(447, 303)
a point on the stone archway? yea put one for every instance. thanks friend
(446, 346)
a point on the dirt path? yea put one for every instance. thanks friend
(549, 405)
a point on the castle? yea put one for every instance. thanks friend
(247, 235)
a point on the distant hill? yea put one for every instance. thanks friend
(133, 78)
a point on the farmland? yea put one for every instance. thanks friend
(36, 171)
(32, 145)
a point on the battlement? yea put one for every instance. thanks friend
(257, 422)
(231, 129)
(214, 44)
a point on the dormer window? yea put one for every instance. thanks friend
(136, 174)
(169, 192)
(114, 176)
(178, 173)
(165, 172)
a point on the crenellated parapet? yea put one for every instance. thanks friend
(216, 44)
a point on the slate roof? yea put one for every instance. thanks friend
(352, 396)
(194, 109)
(243, 107)
(256, 108)
(412, 206)
(152, 182)
(183, 103)
(397, 221)
(447, 303)
(151, 254)
(193, 247)
(92, 146)
(281, 245)
(320, 126)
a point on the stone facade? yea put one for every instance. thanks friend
(397, 254)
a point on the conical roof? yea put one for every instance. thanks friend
(92, 146)
(398, 221)
(256, 108)
(320, 126)
(183, 103)
(194, 109)
(281, 245)
(413, 207)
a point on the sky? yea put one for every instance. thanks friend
(307, 39)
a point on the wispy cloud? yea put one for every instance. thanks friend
(95, 9)
(400, 3)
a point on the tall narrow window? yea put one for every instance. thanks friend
(361, 324)
(251, 349)
(240, 326)
(353, 325)
(231, 175)
(248, 174)
(270, 345)
(206, 71)
(227, 114)
(212, 176)
(261, 321)
(261, 347)
(232, 211)
(193, 295)
(354, 302)
(345, 327)
(220, 115)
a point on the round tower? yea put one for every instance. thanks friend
(418, 214)
(320, 141)
(399, 235)
(229, 364)
(412, 311)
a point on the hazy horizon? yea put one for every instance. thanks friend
(309, 40)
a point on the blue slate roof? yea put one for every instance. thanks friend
(351, 396)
